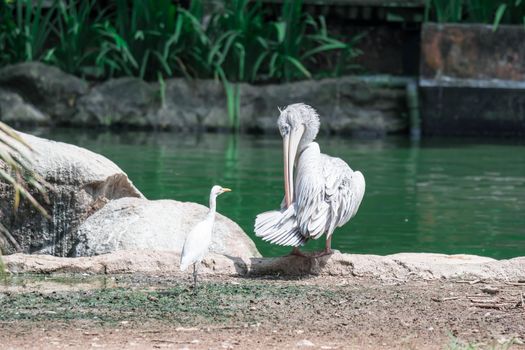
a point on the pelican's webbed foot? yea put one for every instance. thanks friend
(322, 253)
(295, 251)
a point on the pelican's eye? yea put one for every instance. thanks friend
(285, 129)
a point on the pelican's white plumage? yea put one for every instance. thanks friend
(198, 241)
(325, 192)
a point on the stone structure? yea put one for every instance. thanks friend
(472, 80)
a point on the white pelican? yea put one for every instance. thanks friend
(324, 194)
(198, 240)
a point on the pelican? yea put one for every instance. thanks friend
(324, 194)
(198, 241)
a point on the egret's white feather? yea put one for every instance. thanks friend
(197, 243)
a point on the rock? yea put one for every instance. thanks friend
(14, 110)
(346, 105)
(140, 224)
(192, 105)
(304, 343)
(51, 91)
(123, 101)
(82, 183)
(397, 267)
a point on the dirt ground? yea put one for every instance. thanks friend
(138, 312)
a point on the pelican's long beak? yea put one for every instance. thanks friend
(290, 146)
(224, 189)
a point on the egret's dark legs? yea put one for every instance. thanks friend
(194, 275)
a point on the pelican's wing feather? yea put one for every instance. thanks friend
(279, 227)
(344, 191)
(328, 194)
(312, 208)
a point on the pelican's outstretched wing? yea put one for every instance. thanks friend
(279, 227)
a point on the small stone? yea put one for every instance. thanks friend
(226, 345)
(305, 343)
(186, 329)
(490, 290)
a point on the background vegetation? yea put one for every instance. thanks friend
(149, 39)
(493, 12)
(153, 40)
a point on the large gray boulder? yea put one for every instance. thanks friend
(124, 101)
(50, 90)
(161, 225)
(346, 105)
(82, 182)
(191, 105)
(14, 110)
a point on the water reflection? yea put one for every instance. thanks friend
(450, 196)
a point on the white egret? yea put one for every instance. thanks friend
(197, 242)
(324, 194)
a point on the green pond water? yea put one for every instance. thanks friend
(445, 196)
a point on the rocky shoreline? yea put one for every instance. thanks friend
(33, 93)
(398, 267)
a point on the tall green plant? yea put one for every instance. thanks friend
(236, 37)
(297, 42)
(493, 12)
(159, 35)
(78, 41)
(444, 10)
(246, 46)
(25, 28)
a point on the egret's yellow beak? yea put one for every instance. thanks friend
(224, 189)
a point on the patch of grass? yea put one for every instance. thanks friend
(211, 302)
(456, 344)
